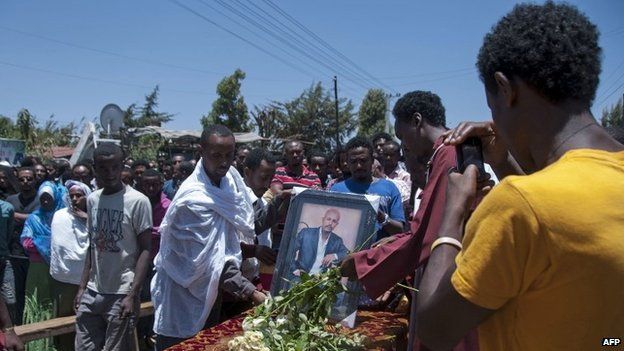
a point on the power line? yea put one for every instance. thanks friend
(238, 24)
(612, 30)
(75, 76)
(466, 74)
(612, 91)
(323, 42)
(241, 37)
(276, 37)
(467, 69)
(179, 4)
(613, 33)
(107, 81)
(613, 73)
(300, 40)
(110, 53)
(127, 57)
(268, 41)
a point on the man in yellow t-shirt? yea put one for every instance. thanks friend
(540, 264)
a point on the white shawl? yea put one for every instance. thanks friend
(202, 230)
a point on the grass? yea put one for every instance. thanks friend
(38, 311)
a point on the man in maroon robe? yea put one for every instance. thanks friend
(420, 123)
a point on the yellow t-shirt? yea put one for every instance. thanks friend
(546, 251)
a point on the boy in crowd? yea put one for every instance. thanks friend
(120, 228)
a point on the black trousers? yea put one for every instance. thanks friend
(20, 272)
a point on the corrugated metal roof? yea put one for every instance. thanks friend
(192, 135)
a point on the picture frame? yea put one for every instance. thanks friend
(311, 216)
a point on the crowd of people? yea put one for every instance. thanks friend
(535, 262)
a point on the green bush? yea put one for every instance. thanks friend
(38, 311)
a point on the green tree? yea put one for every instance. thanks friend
(311, 117)
(7, 128)
(229, 108)
(39, 140)
(267, 121)
(146, 115)
(372, 114)
(612, 117)
(26, 126)
(130, 116)
(146, 147)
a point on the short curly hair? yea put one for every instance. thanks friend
(359, 141)
(426, 103)
(380, 135)
(551, 47)
(256, 156)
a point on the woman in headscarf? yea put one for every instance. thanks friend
(36, 237)
(70, 239)
(69, 245)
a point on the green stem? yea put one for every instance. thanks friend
(407, 287)
(359, 248)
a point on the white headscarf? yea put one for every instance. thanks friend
(74, 183)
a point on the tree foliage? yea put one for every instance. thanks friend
(229, 108)
(8, 129)
(612, 117)
(146, 115)
(372, 114)
(146, 147)
(309, 117)
(39, 139)
(268, 120)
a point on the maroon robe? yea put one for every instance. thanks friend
(380, 268)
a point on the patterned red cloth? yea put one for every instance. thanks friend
(307, 179)
(383, 331)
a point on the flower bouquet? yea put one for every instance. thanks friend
(298, 319)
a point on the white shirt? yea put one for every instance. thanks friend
(265, 237)
(250, 267)
(320, 253)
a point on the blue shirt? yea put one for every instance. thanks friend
(389, 203)
(170, 188)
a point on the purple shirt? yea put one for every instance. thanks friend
(158, 213)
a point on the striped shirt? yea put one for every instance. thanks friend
(289, 179)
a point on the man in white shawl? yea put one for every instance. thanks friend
(211, 214)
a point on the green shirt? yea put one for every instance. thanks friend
(7, 223)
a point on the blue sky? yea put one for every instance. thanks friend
(119, 50)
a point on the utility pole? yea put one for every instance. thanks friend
(389, 98)
(337, 113)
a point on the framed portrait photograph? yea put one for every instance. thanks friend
(321, 229)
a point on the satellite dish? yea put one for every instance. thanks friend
(111, 118)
